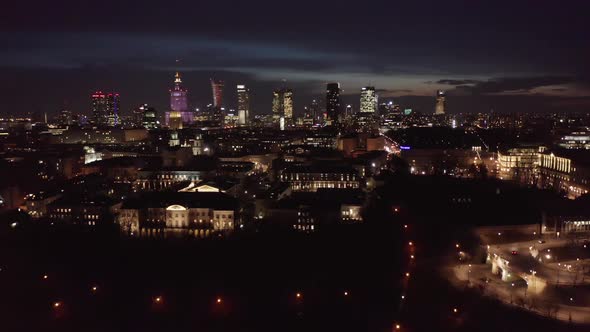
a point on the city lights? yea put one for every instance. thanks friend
(208, 169)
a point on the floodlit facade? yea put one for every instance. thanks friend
(518, 164)
(186, 214)
(564, 171)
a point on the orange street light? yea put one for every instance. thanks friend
(56, 304)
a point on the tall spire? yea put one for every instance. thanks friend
(177, 79)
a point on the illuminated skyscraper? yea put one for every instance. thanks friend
(333, 102)
(112, 115)
(99, 108)
(243, 105)
(105, 109)
(282, 105)
(440, 102)
(368, 100)
(179, 114)
(217, 88)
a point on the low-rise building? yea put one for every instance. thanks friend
(81, 210)
(36, 204)
(565, 171)
(316, 176)
(518, 164)
(192, 214)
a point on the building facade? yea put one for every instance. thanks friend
(564, 171)
(186, 214)
(312, 178)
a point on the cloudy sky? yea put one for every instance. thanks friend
(508, 56)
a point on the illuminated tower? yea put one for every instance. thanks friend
(440, 102)
(368, 100)
(179, 113)
(178, 98)
(243, 105)
(333, 102)
(282, 105)
(217, 88)
(99, 108)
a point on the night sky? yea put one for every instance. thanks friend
(531, 56)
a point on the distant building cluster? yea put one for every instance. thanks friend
(198, 173)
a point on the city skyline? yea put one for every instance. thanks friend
(407, 53)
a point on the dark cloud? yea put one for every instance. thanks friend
(396, 91)
(456, 82)
(62, 49)
(509, 84)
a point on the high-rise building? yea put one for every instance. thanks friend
(179, 113)
(105, 109)
(368, 100)
(137, 116)
(440, 102)
(231, 119)
(348, 113)
(65, 118)
(243, 105)
(282, 105)
(333, 102)
(178, 95)
(99, 108)
(112, 115)
(217, 88)
(150, 120)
